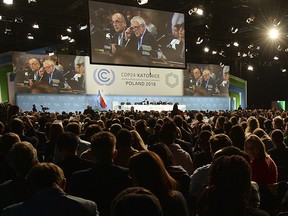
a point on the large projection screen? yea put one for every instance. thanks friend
(125, 35)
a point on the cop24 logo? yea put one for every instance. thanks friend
(104, 77)
(172, 80)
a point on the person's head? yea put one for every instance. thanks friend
(219, 141)
(7, 141)
(92, 130)
(137, 141)
(79, 64)
(49, 66)
(181, 32)
(147, 170)
(45, 175)
(178, 119)
(168, 132)
(67, 144)
(278, 122)
(206, 74)
(136, 201)
(203, 140)
(115, 128)
(124, 139)
(22, 157)
(118, 21)
(277, 137)
(175, 31)
(103, 146)
(74, 127)
(17, 126)
(34, 64)
(196, 73)
(252, 124)
(164, 153)
(254, 147)
(226, 76)
(138, 25)
(55, 130)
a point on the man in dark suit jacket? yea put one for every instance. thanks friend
(208, 82)
(46, 182)
(52, 73)
(142, 35)
(105, 180)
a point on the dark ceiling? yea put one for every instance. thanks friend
(54, 16)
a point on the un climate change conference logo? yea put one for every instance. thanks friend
(104, 77)
(172, 80)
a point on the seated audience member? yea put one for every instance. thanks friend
(137, 141)
(177, 172)
(6, 143)
(124, 148)
(22, 157)
(264, 169)
(104, 180)
(46, 182)
(147, 170)
(168, 135)
(237, 136)
(279, 154)
(228, 192)
(18, 126)
(264, 137)
(74, 127)
(136, 201)
(69, 162)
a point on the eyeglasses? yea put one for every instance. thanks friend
(48, 66)
(116, 21)
(135, 28)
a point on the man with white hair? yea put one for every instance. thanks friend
(53, 73)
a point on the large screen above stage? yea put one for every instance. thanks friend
(40, 74)
(206, 80)
(124, 35)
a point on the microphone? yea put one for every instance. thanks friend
(161, 37)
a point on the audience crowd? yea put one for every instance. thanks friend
(168, 163)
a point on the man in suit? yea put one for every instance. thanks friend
(53, 74)
(143, 36)
(208, 82)
(104, 180)
(35, 67)
(46, 181)
(118, 39)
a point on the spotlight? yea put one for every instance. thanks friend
(196, 10)
(283, 70)
(221, 53)
(35, 26)
(214, 52)
(82, 27)
(250, 19)
(142, 2)
(8, 31)
(228, 45)
(64, 37)
(274, 33)
(200, 11)
(71, 40)
(199, 40)
(244, 55)
(221, 64)
(276, 58)
(69, 29)
(31, 1)
(236, 44)
(206, 49)
(18, 20)
(51, 53)
(234, 30)
(30, 36)
(250, 68)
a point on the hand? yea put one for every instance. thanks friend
(128, 33)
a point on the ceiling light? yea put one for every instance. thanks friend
(8, 31)
(273, 33)
(244, 55)
(250, 46)
(69, 29)
(200, 11)
(51, 53)
(196, 10)
(283, 70)
(236, 44)
(83, 27)
(18, 20)
(31, 1)
(206, 26)
(30, 36)
(71, 40)
(276, 23)
(8, 2)
(228, 45)
(64, 37)
(199, 40)
(35, 26)
(250, 19)
(250, 68)
(276, 58)
(214, 52)
(234, 30)
(142, 2)
(221, 64)
(221, 53)
(238, 54)
(0, 17)
(206, 49)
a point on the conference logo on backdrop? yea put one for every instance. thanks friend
(104, 77)
(172, 80)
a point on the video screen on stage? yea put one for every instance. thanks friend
(206, 80)
(40, 74)
(125, 35)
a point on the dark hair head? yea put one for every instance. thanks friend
(124, 138)
(73, 127)
(219, 141)
(67, 142)
(136, 201)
